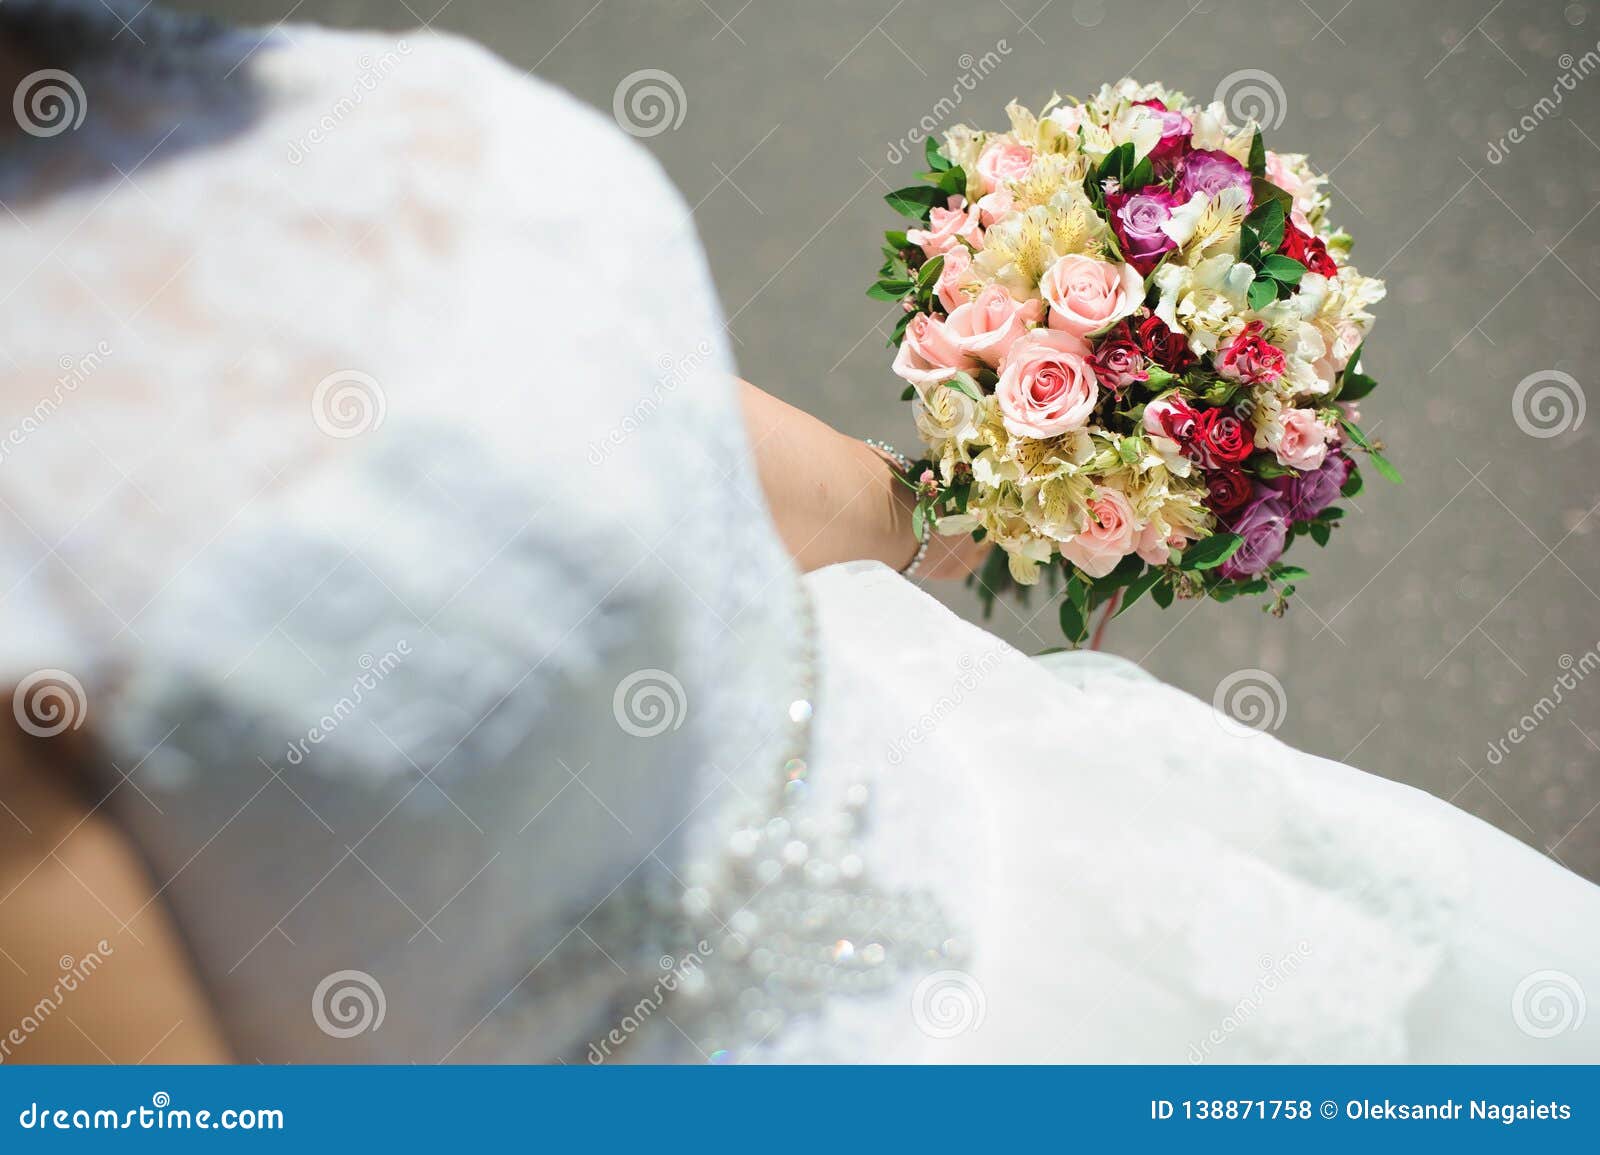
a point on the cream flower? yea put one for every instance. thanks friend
(1205, 300)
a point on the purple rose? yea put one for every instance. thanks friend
(1210, 172)
(1311, 492)
(1136, 219)
(1175, 133)
(1264, 525)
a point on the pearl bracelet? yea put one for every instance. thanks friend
(904, 462)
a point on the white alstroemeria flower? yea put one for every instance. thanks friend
(1206, 300)
(945, 416)
(1206, 225)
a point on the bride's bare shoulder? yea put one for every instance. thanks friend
(91, 970)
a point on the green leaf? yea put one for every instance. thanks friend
(908, 393)
(1282, 268)
(965, 385)
(1263, 190)
(1381, 463)
(1288, 573)
(1258, 155)
(919, 521)
(1073, 623)
(1267, 222)
(915, 201)
(936, 159)
(1352, 484)
(1263, 291)
(1157, 379)
(1139, 588)
(1162, 594)
(1210, 552)
(1320, 532)
(928, 274)
(897, 239)
(1354, 386)
(889, 290)
(1330, 515)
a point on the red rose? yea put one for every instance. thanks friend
(1309, 250)
(1250, 357)
(1166, 348)
(1117, 360)
(1220, 439)
(1229, 489)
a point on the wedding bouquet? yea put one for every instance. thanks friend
(1132, 344)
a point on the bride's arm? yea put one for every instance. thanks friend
(835, 498)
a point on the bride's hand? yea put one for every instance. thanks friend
(835, 498)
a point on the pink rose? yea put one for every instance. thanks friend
(1303, 193)
(1001, 161)
(993, 206)
(953, 273)
(1087, 295)
(928, 353)
(989, 325)
(947, 228)
(1107, 537)
(1047, 386)
(1303, 444)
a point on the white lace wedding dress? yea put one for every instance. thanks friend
(375, 471)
